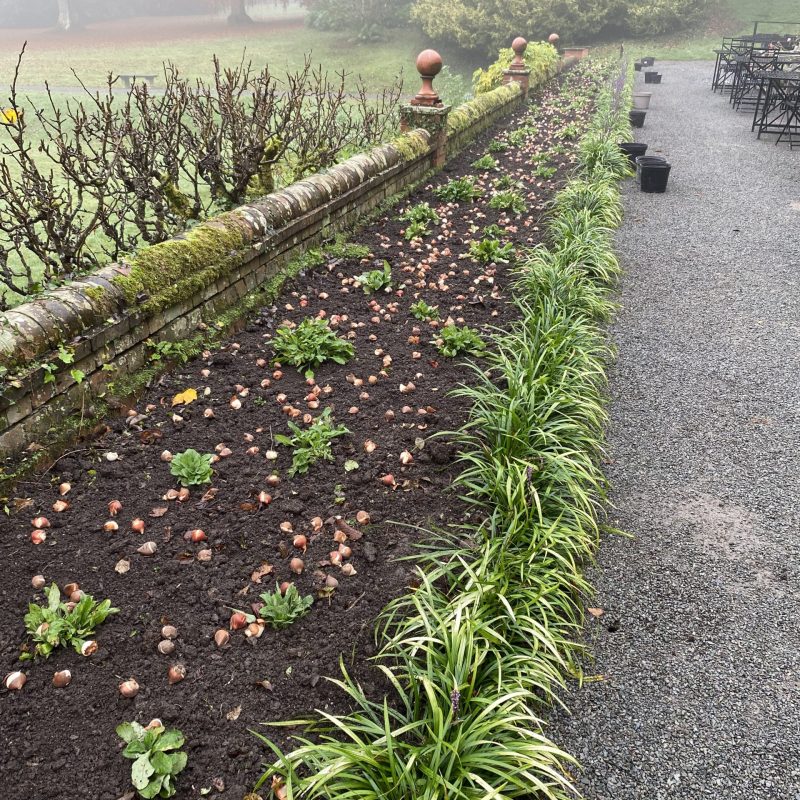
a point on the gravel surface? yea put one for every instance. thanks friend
(695, 688)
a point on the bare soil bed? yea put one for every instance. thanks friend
(60, 743)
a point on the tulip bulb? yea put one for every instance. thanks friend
(176, 673)
(138, 525)
(69, 588)
(129, 688)
(166, 456)
(238, 621)
(14, 681)
(64, 488)
(62, 679)
(38, 581)
(114, 507)
(166, 647)
(40, 522)
(300, 542)
(60, 505)
(89, 647)
(169, 632)
(362, 518)
(148, 549)
(221, 637)
(110, 526)
(297, 565)
(38, 537)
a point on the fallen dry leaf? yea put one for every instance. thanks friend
(596, 612)
(258, 574)
(184, 398)
(122, 566)
(158, 512)
(234, 713)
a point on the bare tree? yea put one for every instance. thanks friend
(66, 16)
(238, 13)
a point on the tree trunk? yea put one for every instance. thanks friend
(238, 14)
(67, 20)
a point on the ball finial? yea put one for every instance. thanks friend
(553, 38)
(519, 45)
(429, 63)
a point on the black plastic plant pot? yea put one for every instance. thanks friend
(633, 150)
(637, 118)
(637, 65)
(652, 77)
(648, 61)
(647, 161)
(655, 177)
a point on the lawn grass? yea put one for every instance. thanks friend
(282, 49)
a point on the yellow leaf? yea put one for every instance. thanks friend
(596, 612)
(184, 398)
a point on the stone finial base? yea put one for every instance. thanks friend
(431, 119)
(520, 76)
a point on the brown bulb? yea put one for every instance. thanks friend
(176, 673)
(129, 688)
(14, 681)
(221, 637)
(62, 679)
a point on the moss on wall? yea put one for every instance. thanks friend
(171, 272)
(483, 105)
(411, 145)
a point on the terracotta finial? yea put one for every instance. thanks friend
(553, 38)
(429, 65)
(519, 46)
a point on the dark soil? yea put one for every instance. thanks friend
(60, 743)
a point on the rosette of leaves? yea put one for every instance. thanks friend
(281, 610)
(309, 345)
(156, 756)
(59, 625)
(192, 468)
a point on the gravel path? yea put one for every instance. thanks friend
(697, 658)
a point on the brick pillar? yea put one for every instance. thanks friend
(518, 72)
(427, 110)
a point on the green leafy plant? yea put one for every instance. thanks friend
(540, 158)
(458, 190)
(167, 351)
(192, 468)
(505, 182)
(309, 345)
(454, 341)
(416, 230)
(494, 231)
(311, 444)
(423, 312)
(569, 132)
(281, 610)
(485, 162)
(59, 625)
(421, 212)
(157, 757)
(419, 217)
(497, 146)
(508, 201)
(518, 137)
(376, 279)
(491, 251)
(545, 172)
